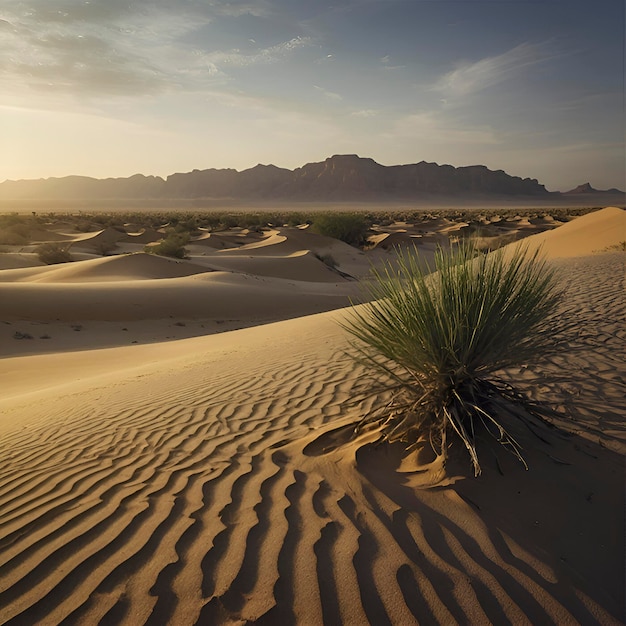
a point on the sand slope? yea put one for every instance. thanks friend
(211, 481)
(213, 295)
(124, 267)
(588, 234)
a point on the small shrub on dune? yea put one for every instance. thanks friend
(230, 221)
(104, 248)
(327, 259)
(172, 246)
(188, 226)
(439, 340)
(52, 253)
(348, 227)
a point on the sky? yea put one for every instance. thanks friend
(113, 88)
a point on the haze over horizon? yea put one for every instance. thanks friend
(111, 89)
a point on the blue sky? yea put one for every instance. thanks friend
(111, 88)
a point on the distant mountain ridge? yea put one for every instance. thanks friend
(587, 188)
(338, 178)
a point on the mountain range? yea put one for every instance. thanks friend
(340, 178)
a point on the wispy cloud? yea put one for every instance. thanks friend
(329, 95)
(387, 65)
(121, 48)
(468, 78)
(272, 54)
(364, 113)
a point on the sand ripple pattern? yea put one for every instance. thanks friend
(197, 505)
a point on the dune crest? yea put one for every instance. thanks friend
(588, 234)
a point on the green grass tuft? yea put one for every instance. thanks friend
(439, 338)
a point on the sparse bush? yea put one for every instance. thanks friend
(52, 253)
(327, 259)
(104, 248)
(348, 227)
(188, 226)
(438, 341)
(295, 219)
(210, 220)
(230, 221)
(173, 246)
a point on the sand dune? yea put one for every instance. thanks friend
(302, 266)
(16, 260)
(213, 480)
(42, 234)
(588, 234)
(209, 240)
(389, 241)
(287, 241)
(213, 295)
(205, 294)
(125, 267)
(231, 238)
(146, 235)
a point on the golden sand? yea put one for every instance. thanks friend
(211, 479)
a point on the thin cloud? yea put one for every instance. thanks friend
(329, 95)
(119, 48)
(273, 54)
(469, 78)
(118, 11)
(68, 61)
(386, 64)
(364, 113)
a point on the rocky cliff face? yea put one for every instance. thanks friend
(340, 177)
(349, 177)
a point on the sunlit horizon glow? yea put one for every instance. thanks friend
(107, 88)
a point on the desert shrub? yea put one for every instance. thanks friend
(210, 220)
(188, 225)
(297, 218)
(438, 341)
(327, 259)
(104, 248)
(52, 253)
(230, 221)
(173, 246)
(348, 227)
(250, 220)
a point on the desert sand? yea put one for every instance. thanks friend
(157, 470)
